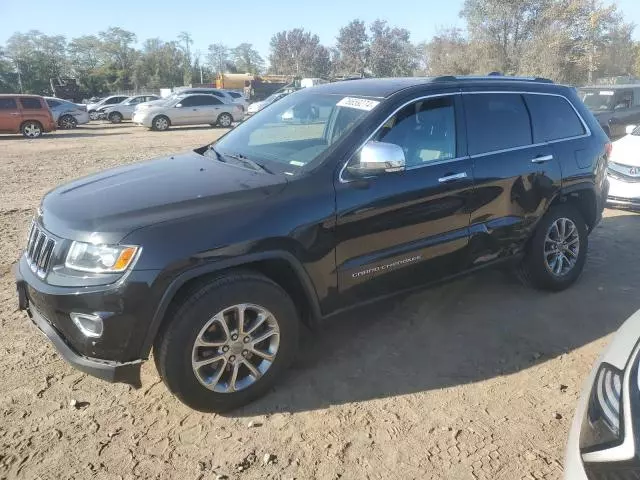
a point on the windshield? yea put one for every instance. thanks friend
(296, 130)
(598, 100)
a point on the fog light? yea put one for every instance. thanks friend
(89, 324)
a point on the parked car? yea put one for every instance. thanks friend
(67, 114)
(615, 106)
(255, 107)
(124, 110)
(238, 98)
(92, 108)
(215, 257)
(26, 114)
(603, 440)
(189, 110)
(624, 170)
(222, 95)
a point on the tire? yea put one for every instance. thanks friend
(537, 269)
(31, 129)
(174, 349)
(93, 115)
(160, 123)
(225, 120)
(67, 122)
(115, 117)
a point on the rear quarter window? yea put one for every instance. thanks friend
(553, 118)
(31, 103)
(496, 121)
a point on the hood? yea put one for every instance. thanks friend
(626, 151)
(152, 103)
(115, 202)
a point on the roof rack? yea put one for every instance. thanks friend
(495, 76)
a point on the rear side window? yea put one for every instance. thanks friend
(31, 103)
(496, 121)
(8, 104)
(553, 118)
(235, 94)
(53, 103)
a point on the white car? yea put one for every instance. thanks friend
(603, 440)
(124, 111)
(624, 170)
(194, 109)
(92, 108)
(257, 106)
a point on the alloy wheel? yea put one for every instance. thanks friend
(561, 247)
(161, 123)
(225, 120)
(32, 130)
(68, 122)
(235, 348)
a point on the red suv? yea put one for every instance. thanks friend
(26, 114)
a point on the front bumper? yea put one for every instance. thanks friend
(117, 355)
(142, 120)
(623, 193)
(621, 461)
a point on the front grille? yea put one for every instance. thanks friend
(39, 250)
(612, 472)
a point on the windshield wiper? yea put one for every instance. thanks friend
(238, 157)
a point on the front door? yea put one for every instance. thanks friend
(516, 173)
(10, 116)
(403, 229)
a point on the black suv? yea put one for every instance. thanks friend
(332, 197)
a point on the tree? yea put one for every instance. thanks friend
(247, 59)
(299, 53)
(186, 42)
(218, 57)
(120, 56)
(392, 54)
(160, 64)
(8, 77)
(353, 48)
(448, 53)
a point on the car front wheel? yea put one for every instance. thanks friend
(556, 254)
(93, 115)
(160, 123)
(228, 343)
(115, 117)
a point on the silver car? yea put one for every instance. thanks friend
(124, 111)
(92, 108)
(192, 109)
(67, 114)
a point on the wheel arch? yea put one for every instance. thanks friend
(279, 266)
(584, 198)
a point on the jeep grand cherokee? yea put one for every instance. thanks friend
(332, 197)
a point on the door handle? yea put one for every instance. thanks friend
(450, 178)
(14, 113)
(542, 159)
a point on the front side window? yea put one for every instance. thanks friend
(31, 103)
(296, 130)
(194, 101)
(624, 100)
(598, 100)
(496, 121)
(553, 118)
(425, 130)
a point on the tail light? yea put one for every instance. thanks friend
(608, 148)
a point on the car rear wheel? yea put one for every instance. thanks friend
(228, 343)
(556, 254)
(93, 115)
(160, 123)
(67, 122)
(225, 120)
(31, 129)
(115, 117)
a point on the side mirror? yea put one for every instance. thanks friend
(177, 105)
(378, 157)
(630, 129)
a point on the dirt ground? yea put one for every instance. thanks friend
(477, 379)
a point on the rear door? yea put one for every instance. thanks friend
(10, 115)
(516, 178)
(33, 108)
(212, 107)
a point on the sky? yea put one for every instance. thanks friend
(234, 22)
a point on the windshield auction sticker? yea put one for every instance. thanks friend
(359, 103)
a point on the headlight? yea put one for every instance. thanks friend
(602, 424)
(87, 257)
